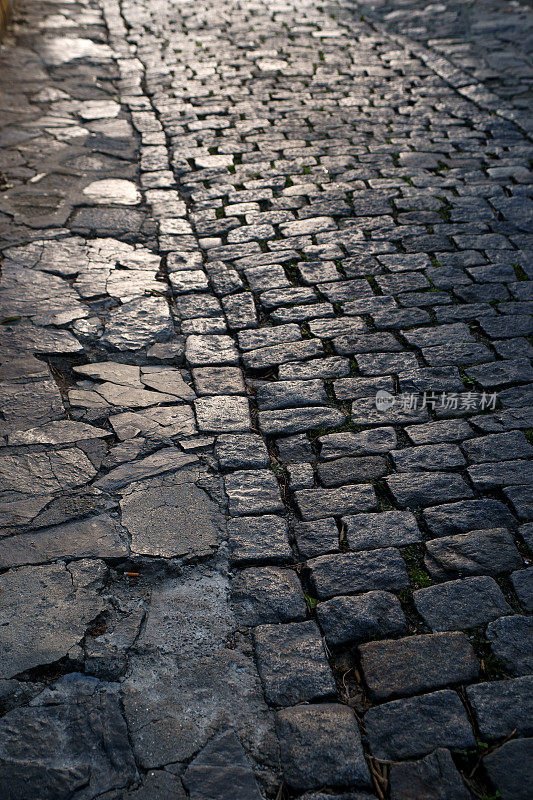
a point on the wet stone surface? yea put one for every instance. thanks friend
(265, 400)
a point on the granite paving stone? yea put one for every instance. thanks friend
(292, 663)
(466, 603)
(507, 636)
(489, 552)
(351, 620)
(265, 399)
(321, 743)
(352, 573)
(417, 663)
(416, 726)
(502, 708)
(434, 777)
(509, 768)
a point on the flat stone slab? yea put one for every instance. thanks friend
(49, 750)
(170, 517)
(60, 432)
(42, 473)
(221, 770)
(164, 422)
(185, 675)
(96, 537)
(57, 612)
(317, 537)
(168, 459)
(321, 744)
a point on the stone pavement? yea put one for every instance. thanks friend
(266, 426)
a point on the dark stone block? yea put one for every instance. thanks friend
(434, 777)
(417, 663)
(352, 620)
(321, 745)
(510, 769)
(417, 725)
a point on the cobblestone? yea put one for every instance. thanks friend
(265, 392)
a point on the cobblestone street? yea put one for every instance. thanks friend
(266, 404)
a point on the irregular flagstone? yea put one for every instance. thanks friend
(96, 537)
(49, 750)
(167, 421)
(221, 769)
(57, 611)
(27, 338)
(199, 675)
(167, 459)
(60, 432)
(32, 403)
(112, 190)
(41, 473)
(168, 381)
(170, 517)
(138, 323)
(127, 397)
(114, 371)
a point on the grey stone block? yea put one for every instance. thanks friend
(267, 595)
(508, 638)
(320, 745)
(489, 552)
(352, 573)
(292, 663)
(502, 707)
(415, 726)
(434, 777)
(510, 769)
(460, 604)
(352, 620)
(417, 663)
